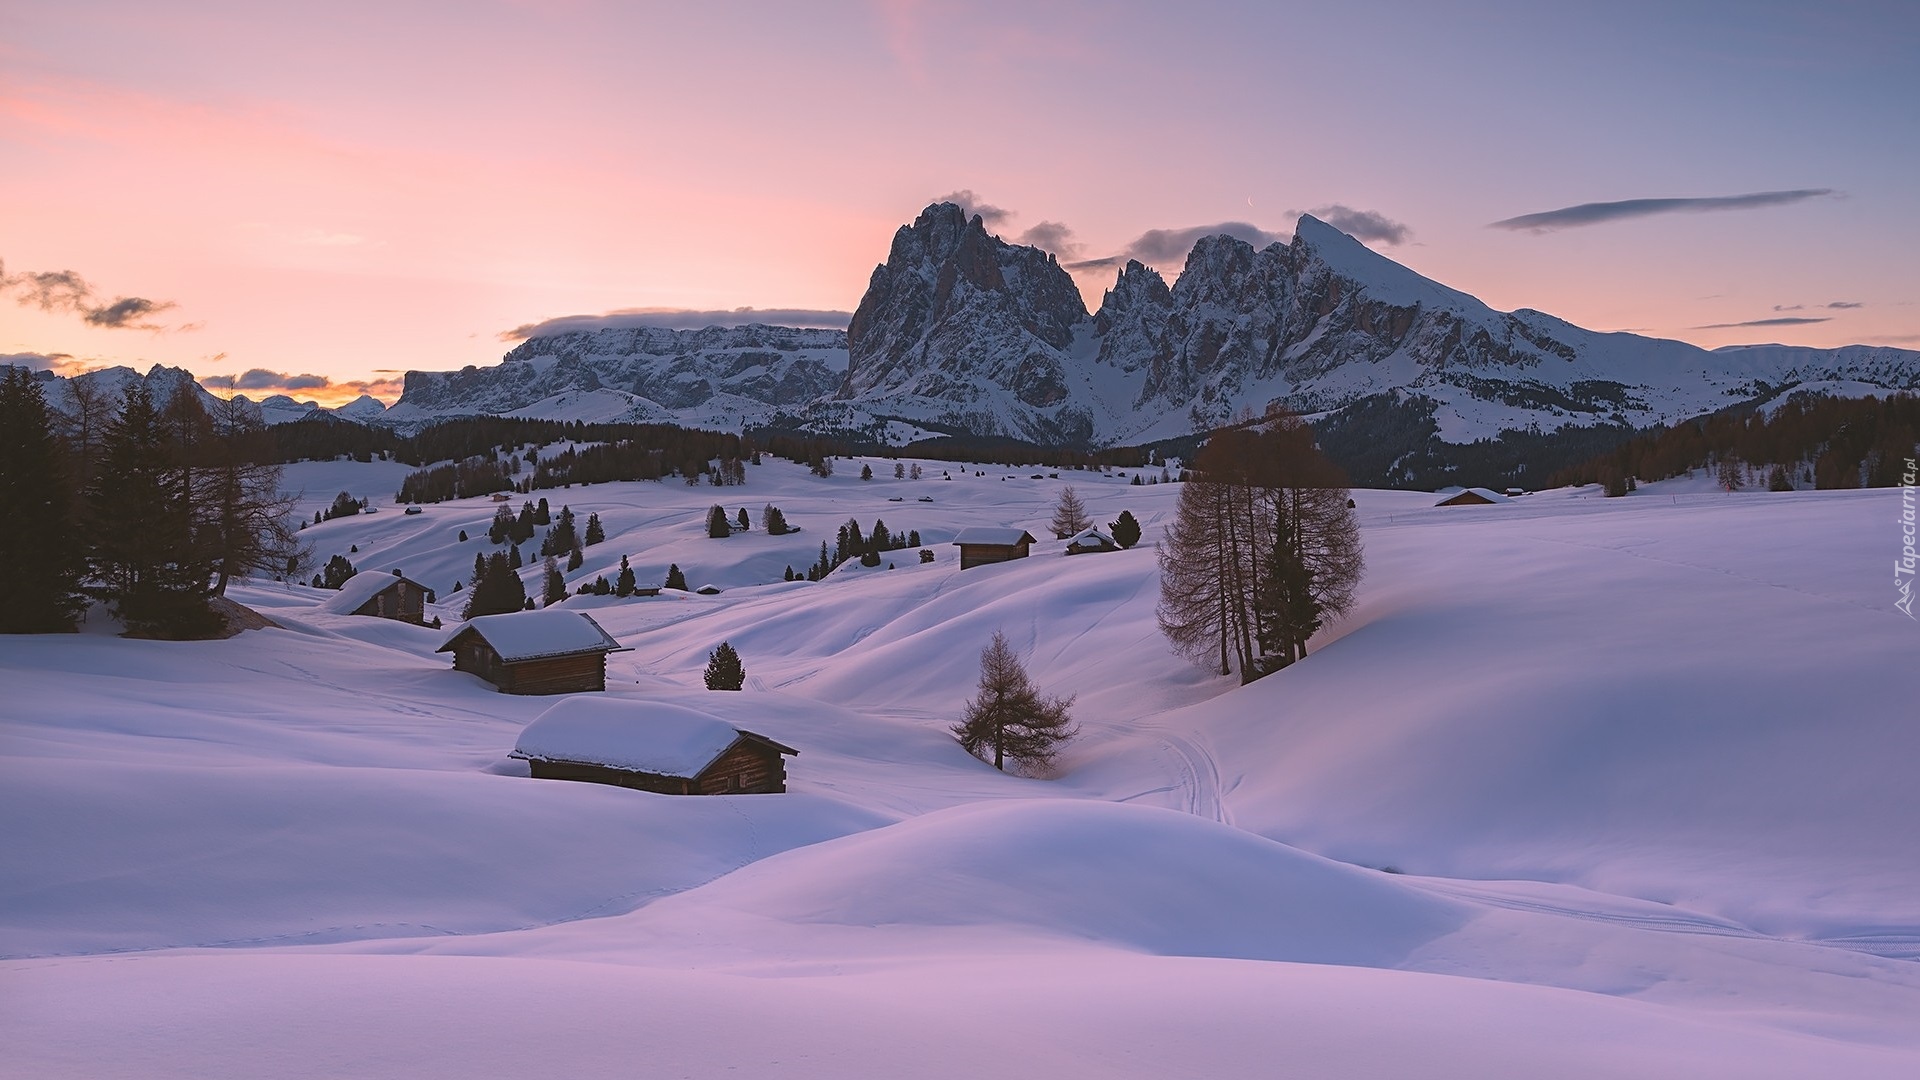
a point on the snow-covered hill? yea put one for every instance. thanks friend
(1638, 767)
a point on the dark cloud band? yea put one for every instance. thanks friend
(1601, 212)
(1791, 320)
(680, 319)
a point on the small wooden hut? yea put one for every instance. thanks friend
(384, 596)
(984, 544)
(534, 652)
(1472, 497)
(651, 746)
(1090, 540)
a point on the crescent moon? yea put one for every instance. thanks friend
(1249, 200)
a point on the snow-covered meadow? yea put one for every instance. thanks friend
(1583, 787)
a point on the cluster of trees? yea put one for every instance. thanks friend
(460, 480)
(496, 587)
(1263, 549)
(629, 452)
(625, 583)
(1819, 442)
(153, 510)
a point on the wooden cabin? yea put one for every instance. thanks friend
(1472, 497)
(984, 544)
(1090, 540)
(534, 652)
(384, 596)
(651, 746)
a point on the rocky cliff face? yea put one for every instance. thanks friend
(728, 375)
(962, 328)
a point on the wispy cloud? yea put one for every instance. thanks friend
(1600, 212)
(67, 291)
(59, 363)
(1790, 320)
(990, 215)
(680, 319)
(1837, 305)
(265, 382)
(1054, 237)
(1362, 224)
(1164, 247)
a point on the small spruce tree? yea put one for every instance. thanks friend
(595, 531)
(675, 579)
(624, 585)
(717, 526)
(1125, 529)
(724, 670)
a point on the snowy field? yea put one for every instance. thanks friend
(1582, 788)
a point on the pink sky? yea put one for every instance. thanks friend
(391, 186)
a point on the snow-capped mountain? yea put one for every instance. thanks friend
(719, 376)
(962, 329)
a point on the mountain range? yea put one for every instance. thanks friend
(961, 332)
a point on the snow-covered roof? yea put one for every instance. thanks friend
(530, 635)
(1003, 535)
(359, 589)
(1091, 537)
(642, 736)
(1488, 494)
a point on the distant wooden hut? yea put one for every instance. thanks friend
(384, 596)
(533, 652)
(1478, 496)
(984, 544)
(1090, 540)
(651, 746)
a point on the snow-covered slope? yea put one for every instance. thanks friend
(1638, 766)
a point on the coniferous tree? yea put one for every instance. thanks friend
(147, 562)
(243, 513)
(501, 530)
(773, 521)
(675, 579)
(1008, 719)
(1247, 485)
(463, 536)
(913, 538)
(575, 558)
(1125, 529)
(1069, 514)
(595, 531)
(724, 669)
(624, 584)
(42, 557)
(554, 584)
(866, 472)
(336, 572)
(344, 505)
(717, 525)
(562, 538)
(514, 561)
(744, 525)
(496, 590)
(542, 516)
(899, 471)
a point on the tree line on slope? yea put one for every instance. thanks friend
(1804, 442)
(153, 510)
